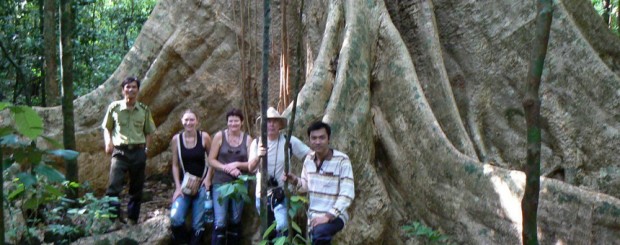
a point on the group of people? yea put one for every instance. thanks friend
(326, 175)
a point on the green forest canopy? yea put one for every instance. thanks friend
(106, 30)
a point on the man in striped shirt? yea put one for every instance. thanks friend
(327, 176)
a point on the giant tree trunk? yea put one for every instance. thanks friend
(423, 95)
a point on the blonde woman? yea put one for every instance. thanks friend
(188, 157)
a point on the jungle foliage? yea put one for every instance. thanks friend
(609, 10)
(34, 192)
(105, 31)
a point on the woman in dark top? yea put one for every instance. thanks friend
(194, 145)
(229, 158)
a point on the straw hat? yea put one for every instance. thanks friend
(272, 113)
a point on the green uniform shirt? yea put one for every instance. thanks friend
(128, 126)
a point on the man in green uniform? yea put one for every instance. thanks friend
(127, 126)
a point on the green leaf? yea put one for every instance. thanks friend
(53, 191)
(296, 199)
(302, 240)
(49, 172)
(245, 177)
(18, 191)
(241, 190)
(74, 185)
(27, 179)
(32, 203)
(65, 154)
(269, 230)
(52, 142)
(27, 121)
(226, 190)
(4, 105)
(280, 240)
(296, 227)
(5, 130)
(264, 242)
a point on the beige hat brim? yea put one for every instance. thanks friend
(272, 113)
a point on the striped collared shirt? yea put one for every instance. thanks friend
(330, 188)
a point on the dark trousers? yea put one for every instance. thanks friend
(323, 233)
(132, 162)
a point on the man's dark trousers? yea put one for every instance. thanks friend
(132, 161)
(323, 233)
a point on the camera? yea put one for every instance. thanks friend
(272, 182)
(275, 193)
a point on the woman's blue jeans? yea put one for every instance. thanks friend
(182, 204)
(228, 211)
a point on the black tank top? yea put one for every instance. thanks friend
(194, 158)
(228, 154)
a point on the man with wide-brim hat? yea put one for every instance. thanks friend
(275, 151)
(273, 115)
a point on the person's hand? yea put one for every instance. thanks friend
(228, 168)
(207, 184)
(291, 178)
(262, 151)
(177, 193)
(323, 219)
(109, 148)
(235, 172)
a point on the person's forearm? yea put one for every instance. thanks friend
(302, 185)
(210, 173)
(217, 165)
(208, 178)
(252, 164)
(148, 141)
(243, 166)
(175, 174)
(106, 136)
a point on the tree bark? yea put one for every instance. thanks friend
(284, 97)
(531, 105)
(52, 88)
(297, 80)
(67, 34)
(263, 125)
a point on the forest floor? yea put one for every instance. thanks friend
(156, 198)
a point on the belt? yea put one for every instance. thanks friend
(130, 147)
